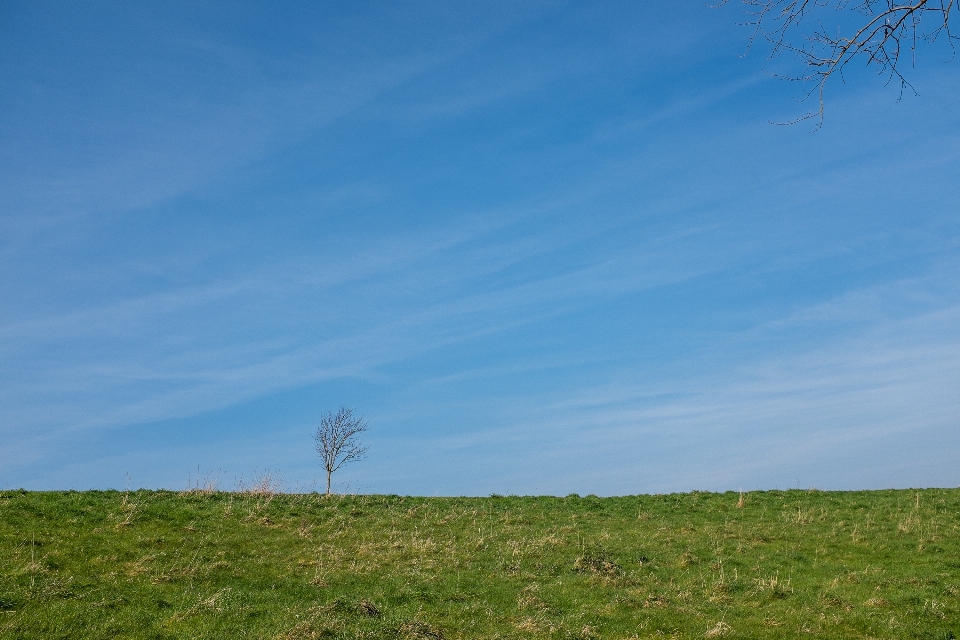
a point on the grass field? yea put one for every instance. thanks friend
(776, 564)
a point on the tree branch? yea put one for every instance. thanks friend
(890, 27)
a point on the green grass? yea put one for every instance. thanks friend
(776, 564)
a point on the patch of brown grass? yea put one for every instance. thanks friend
(719, 630)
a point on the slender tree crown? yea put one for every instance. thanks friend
(337, 440)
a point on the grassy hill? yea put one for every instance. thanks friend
(776, 564)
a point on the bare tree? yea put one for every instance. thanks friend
(882, 35)
(337, 440)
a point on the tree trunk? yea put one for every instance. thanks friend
(328, 482)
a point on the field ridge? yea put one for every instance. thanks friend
(261, 564)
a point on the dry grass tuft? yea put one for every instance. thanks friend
(302, 631)
(719, 630)
(266, 485)
(207, 485)
(139, 567)
(317, 625)
(529, 600)
(774, 586)
(653, 601)
(212, 603)
(369, 609)
(599, 562)
(534, 626)
(304, 529)
(414, 629)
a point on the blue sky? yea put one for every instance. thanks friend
(542, 247)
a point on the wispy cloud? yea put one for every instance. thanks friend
(880, 396)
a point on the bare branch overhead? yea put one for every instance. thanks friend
(884, 32)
